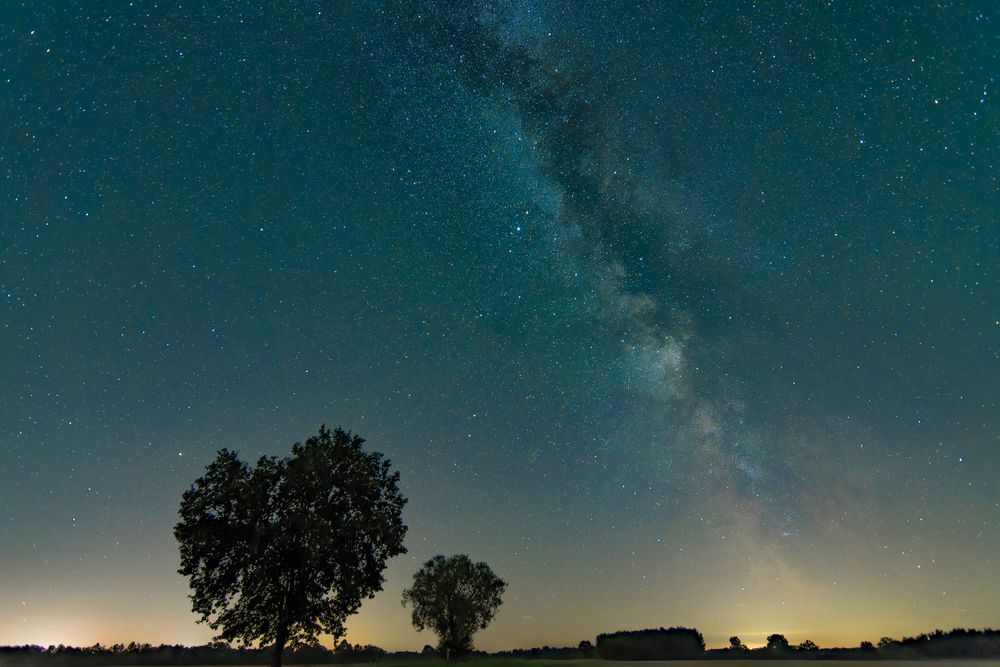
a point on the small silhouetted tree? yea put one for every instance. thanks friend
(283, 551)
(777, 643)
(736, 644)
(586, 648)
(886, 642)
(808, 645)
(867, 646)
(454, 598)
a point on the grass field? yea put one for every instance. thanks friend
(596, 662)
(496, 662)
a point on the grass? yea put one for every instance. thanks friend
(415, 661)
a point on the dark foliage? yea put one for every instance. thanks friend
(652, 644)
(777, 643)
(958, 643)
(944, 645)
(288, 549)
(216, 653)
(454, 597)
(736, 644)
(548, 653)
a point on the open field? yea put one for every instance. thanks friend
(792, 663)
(595, 662)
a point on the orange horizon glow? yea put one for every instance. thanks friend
(82, 635)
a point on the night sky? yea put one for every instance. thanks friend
(674, 313)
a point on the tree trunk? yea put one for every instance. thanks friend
(279, 646)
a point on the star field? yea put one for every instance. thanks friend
(674, 313)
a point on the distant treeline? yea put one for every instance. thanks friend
(216, 653)
(650, 644)
(958, 643)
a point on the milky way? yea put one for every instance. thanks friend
(667, 278)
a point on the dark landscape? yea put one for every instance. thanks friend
(646, 645)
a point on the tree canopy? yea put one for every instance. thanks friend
(736, 644)
(652, 644)
(777, 642)
(287, 549)
(454, 598)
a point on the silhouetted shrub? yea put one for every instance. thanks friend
(652, 644)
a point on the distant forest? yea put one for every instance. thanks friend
(651, 644)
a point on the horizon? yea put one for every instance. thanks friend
(329, 645)
(672, 314)
(753, 639)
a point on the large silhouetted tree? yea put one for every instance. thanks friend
(454, 597)
(283, 551)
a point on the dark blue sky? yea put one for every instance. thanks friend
(673, 313)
